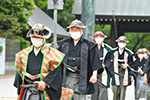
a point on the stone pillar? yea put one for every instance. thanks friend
(88, 17)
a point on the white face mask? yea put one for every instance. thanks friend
(145, 55)
(140, 55)
(37, 42)
(99, 40)
(121, 45)
(75, 35)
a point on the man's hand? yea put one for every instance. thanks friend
(141, 72)
(41, 85)
(18, 97)
(93, 78)
(132, 78)
(124, 66)
(145, 79)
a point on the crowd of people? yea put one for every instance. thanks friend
(80, 69)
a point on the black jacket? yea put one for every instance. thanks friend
(148, 69)
(136, 64)
(89, 61)
(53, 79)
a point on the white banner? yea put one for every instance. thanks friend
(2, 56)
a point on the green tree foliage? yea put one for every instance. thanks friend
(64, 16)
(105, 29)
(136, 40)
(24, 43)
(14, 15)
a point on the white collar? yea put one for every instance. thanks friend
(103, 44)
(120, 51)
(36, 52)
(75, 43)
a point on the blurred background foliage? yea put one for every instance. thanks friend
(105, 29)
(136, 40)
(14, 15)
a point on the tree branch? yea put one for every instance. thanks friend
(138, 41)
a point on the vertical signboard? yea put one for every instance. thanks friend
(55, 4)
(2, 56)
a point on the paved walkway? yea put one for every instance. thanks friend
(129, 93)
(9, 92)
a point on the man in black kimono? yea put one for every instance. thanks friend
(81, 62)
(139, 65)
(122, 57)
(147, 75)
(104, 52)
(40, 64)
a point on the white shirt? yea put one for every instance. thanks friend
(36, 51)
(75, 43)
(120, 51)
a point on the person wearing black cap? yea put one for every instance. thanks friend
(80, 59)
(103, 50)
(122, 57)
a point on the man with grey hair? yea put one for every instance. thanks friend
(81, 62)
